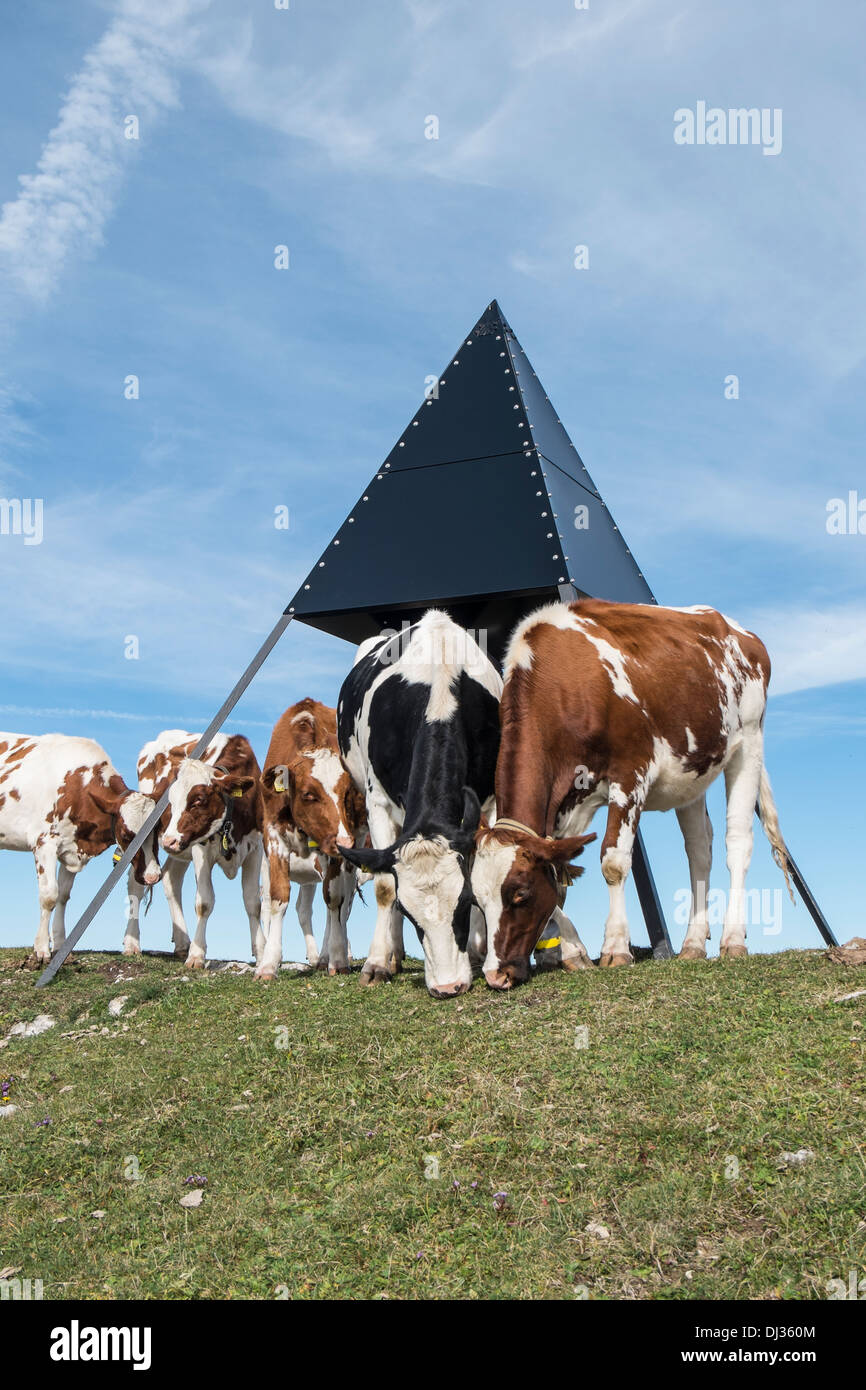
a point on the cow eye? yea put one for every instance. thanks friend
(520, 895)
(310, 796)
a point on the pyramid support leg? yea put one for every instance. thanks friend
(650, 903)
(814, 910)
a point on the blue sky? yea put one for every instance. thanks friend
(258, 387)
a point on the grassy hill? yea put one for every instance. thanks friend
(642, 1164)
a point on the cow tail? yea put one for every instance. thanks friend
(770, 821)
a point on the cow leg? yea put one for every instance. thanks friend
(378, 966)
(65, 879)
(698, 836)
(616, 853)
(742, 777)
(45, 857)
(477, 943)
(250, 872)
(386, 948)
(304, 909)
(346, 907)
(204, 905)
(132, 933)
(398, 951)
(172, 882)
(337, 887)
(278, 889)
(574, 954)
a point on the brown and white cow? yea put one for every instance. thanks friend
(213, 817)
(310, 809)
(638, 708)
(62, 799)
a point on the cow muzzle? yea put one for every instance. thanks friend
(448, 991)
(515, 972)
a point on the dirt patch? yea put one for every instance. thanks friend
(128, 968)
(852, 953)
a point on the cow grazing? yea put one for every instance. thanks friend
(638, 708)
(62, 799)
(213, 817)
(310, 809)
(418, 724)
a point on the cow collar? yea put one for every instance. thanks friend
(226, 838)
(563, 876)
(506, 823)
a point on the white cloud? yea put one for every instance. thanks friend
(174, 720)
(811, 647)
(62, 209)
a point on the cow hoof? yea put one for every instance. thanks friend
(395, 963)
(181, 952)
(375, 975)
(320, 964)
(572, 963)
(693, 953)
(338, 970)
(131, 948)
(264, 972)
(195, 962)
(733, 952)
(616, 958)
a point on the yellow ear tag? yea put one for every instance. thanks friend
(312, 844)
(117, 856)
(279, 786)
(237, 791)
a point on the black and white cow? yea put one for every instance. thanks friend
(418, 727)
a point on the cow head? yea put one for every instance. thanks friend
(431, 875)
(130, 810)
(197, 803)
(320, 798)
(515, 880)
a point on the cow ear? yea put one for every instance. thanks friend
(561, 851)
(230, 783)
(465, 838)
(278, 778)
(471, 812)
(371, 861)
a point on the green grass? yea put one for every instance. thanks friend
(316, 1180)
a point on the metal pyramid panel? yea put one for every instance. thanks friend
(483, 506)
(474, 408)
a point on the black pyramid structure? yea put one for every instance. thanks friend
(482, 507)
